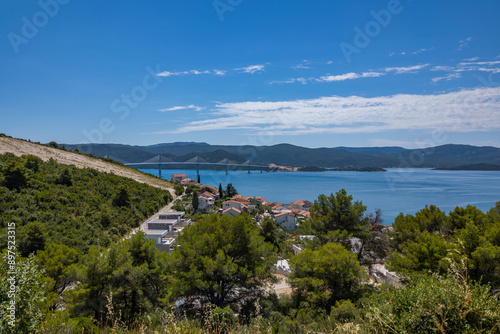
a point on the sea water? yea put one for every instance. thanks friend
(395, 191)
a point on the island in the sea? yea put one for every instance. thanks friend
(478, 167)
(352, 169)
(360, 169)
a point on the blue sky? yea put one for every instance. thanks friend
(260, 72)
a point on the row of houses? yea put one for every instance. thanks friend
(286, 215)
(164, 228)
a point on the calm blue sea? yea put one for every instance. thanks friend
(394, 191)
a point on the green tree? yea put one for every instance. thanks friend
(221, 193)
(374, 244)
(53, 144)
(427, 241)
(25, 292)
(459, 217)
(434, 304)
(14, 175)
(32, 238)
(179, 189)
(33, 162)
(409, 227)
(130, 276)
(59, 262)
(195, 202)
(336, 217)
(122, 198)
(230, 191)
(272, 233)
(426, 254)
(326, 275)
(222, 259)
(65, 178)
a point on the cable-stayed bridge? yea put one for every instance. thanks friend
(197, 161)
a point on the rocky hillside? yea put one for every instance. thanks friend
(21, 147)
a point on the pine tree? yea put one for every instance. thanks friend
(221, 193)
(195, 201)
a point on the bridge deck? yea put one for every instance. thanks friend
(192, 163)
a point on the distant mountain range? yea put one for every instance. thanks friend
(444, 156)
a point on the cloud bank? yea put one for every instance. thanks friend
(462, 111)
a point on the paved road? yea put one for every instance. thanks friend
(167, 207)
(282, 287)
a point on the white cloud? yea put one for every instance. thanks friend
(349, 76)
(461, 111)
(407, 69)
(301, 66)
(488, 63)
(472, 59)
(482, 66)
(463, 43)
(468, 66)
(442, 68)
(291, 80)
(331, 78)
(199, 72)
(422, 50)
(191, 106)
(331, 62)
(251, 69)
(195, 72)
(166, 74)
(219, 72)
(448, 77)
(392, 54)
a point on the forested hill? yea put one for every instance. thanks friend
(54, 203)
(20, 147)
(291, 155)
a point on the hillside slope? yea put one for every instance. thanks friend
(21, 147)
(449, 156)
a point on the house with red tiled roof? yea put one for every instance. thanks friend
(305, 214)
(286, 220)
(188, 182)
(231, 212)
(240, 199)
(178, 177)
(275, 206)
(234, 204)
(302, 205)
(210, 189)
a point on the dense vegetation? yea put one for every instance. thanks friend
(217, 280)
(431, 241)
(50, 202)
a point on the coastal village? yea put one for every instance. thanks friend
(165, 226)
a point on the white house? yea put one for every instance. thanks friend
(164, 228)
(205, 202)
(234, 204)
(286, 220)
